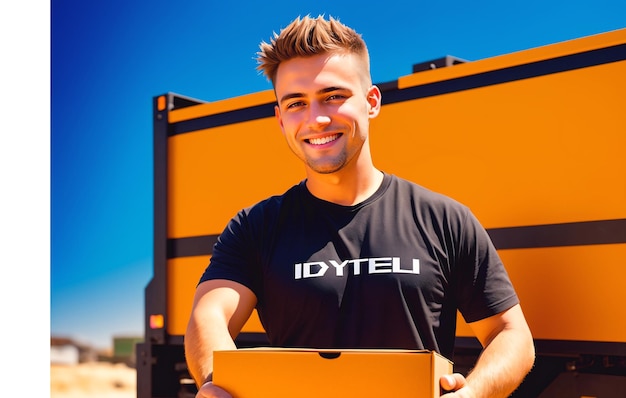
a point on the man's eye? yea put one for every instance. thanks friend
(295, 104)
(335, 97)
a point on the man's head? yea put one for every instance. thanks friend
(324, 92)
(306, 37)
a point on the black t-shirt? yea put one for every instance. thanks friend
(389, 272)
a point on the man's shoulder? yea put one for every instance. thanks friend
(430, 206)
(275, 202)
(424, 194)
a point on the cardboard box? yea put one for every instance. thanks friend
(306, 373)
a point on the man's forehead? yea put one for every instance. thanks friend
(316, 73)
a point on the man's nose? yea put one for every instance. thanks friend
(317, 118)
(323, 120)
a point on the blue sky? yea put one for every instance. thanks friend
(108, 59)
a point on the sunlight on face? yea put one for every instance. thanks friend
(324, 109)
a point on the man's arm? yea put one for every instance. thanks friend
(220, 309)
(507, 357)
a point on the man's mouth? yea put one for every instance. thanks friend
(323, 140)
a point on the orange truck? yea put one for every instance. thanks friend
(534, 142)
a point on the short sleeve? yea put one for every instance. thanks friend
(483, 284)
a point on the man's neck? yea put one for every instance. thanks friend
(346, 187)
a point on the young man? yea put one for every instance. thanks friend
(353, 257)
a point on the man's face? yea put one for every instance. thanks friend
(324, 109)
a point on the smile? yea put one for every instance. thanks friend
(323, 140)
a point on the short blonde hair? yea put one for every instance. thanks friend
(305, 37)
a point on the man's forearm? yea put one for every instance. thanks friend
(200, 343)
(503, 364)
(219, 312)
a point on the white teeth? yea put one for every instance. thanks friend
(324, 140)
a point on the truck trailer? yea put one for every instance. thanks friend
(534, 142)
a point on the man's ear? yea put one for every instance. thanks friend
(374, 99)
(278, 117)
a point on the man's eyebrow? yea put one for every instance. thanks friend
(300, 95)
(290, 96)
(330, 90)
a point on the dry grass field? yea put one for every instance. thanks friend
(93, 380)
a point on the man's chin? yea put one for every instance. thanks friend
(326, 168)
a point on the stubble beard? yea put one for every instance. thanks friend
(328, 166)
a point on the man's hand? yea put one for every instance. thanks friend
(457, 384)
(209, 390)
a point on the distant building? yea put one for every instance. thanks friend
(65, 351)
(124, 349)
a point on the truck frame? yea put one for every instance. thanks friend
(534, 142)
